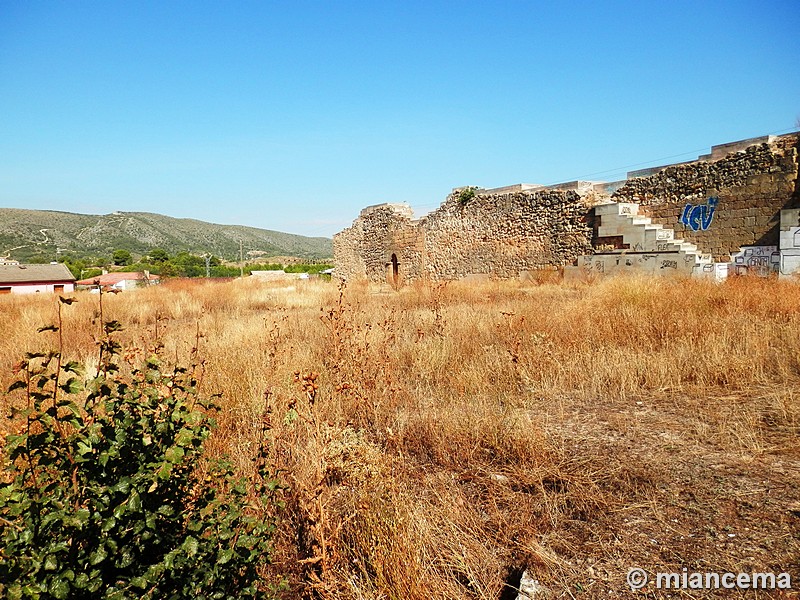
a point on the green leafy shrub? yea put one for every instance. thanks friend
(465, 195)
(108, 494)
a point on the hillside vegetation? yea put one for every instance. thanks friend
(28, 235)
(439, 440)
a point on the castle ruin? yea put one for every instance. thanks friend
(735, 210)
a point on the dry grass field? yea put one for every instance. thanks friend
(438, 440)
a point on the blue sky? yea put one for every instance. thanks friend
(295, 115)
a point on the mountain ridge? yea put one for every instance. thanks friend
(30, 234)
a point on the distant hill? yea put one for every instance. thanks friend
(35, 234)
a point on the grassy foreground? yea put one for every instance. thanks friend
(439, 440)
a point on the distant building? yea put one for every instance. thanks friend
(277, 275)
(120, 280)
(29, 279)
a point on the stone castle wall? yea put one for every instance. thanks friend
(720, 203)
(501, 235)
(365, 250)
(749, 188)
(493, 234)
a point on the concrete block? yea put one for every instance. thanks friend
(617, 209)
(716, 271)
(790, 263)
(686, 247)
(609, 229)
(756, 260)
(790, 239)
(790, 218)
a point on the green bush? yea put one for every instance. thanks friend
(465, 195)
(108, 494)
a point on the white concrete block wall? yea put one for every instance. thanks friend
(639, 234)
(790, 263)
(653, 249)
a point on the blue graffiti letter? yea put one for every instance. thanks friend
(686, 212)
(708, 212)
(698, 218)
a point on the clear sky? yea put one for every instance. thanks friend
(295, 115)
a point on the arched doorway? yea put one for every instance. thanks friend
(394, 271)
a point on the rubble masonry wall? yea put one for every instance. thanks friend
(750, 188)
(719, 205)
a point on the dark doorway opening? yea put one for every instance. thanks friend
(394, 271)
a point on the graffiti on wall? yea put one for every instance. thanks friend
(756, 260)
(698, 218)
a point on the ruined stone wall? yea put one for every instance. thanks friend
(347, 253)
(364, 251)
(498, 235)
(718, 204)
(501, 235)
(722, 205)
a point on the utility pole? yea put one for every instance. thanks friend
(241, 260)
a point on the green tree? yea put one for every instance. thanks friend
(73, 264)
(306, 268)
(188, 265)
(158, 255)
(122, 257)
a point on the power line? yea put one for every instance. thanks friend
(690, 152)
(621, 169)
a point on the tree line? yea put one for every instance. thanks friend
(182, 264)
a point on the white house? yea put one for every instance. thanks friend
(29, 279)
(278, 275)
(120, 280)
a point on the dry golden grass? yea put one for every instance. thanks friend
(440, 439)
